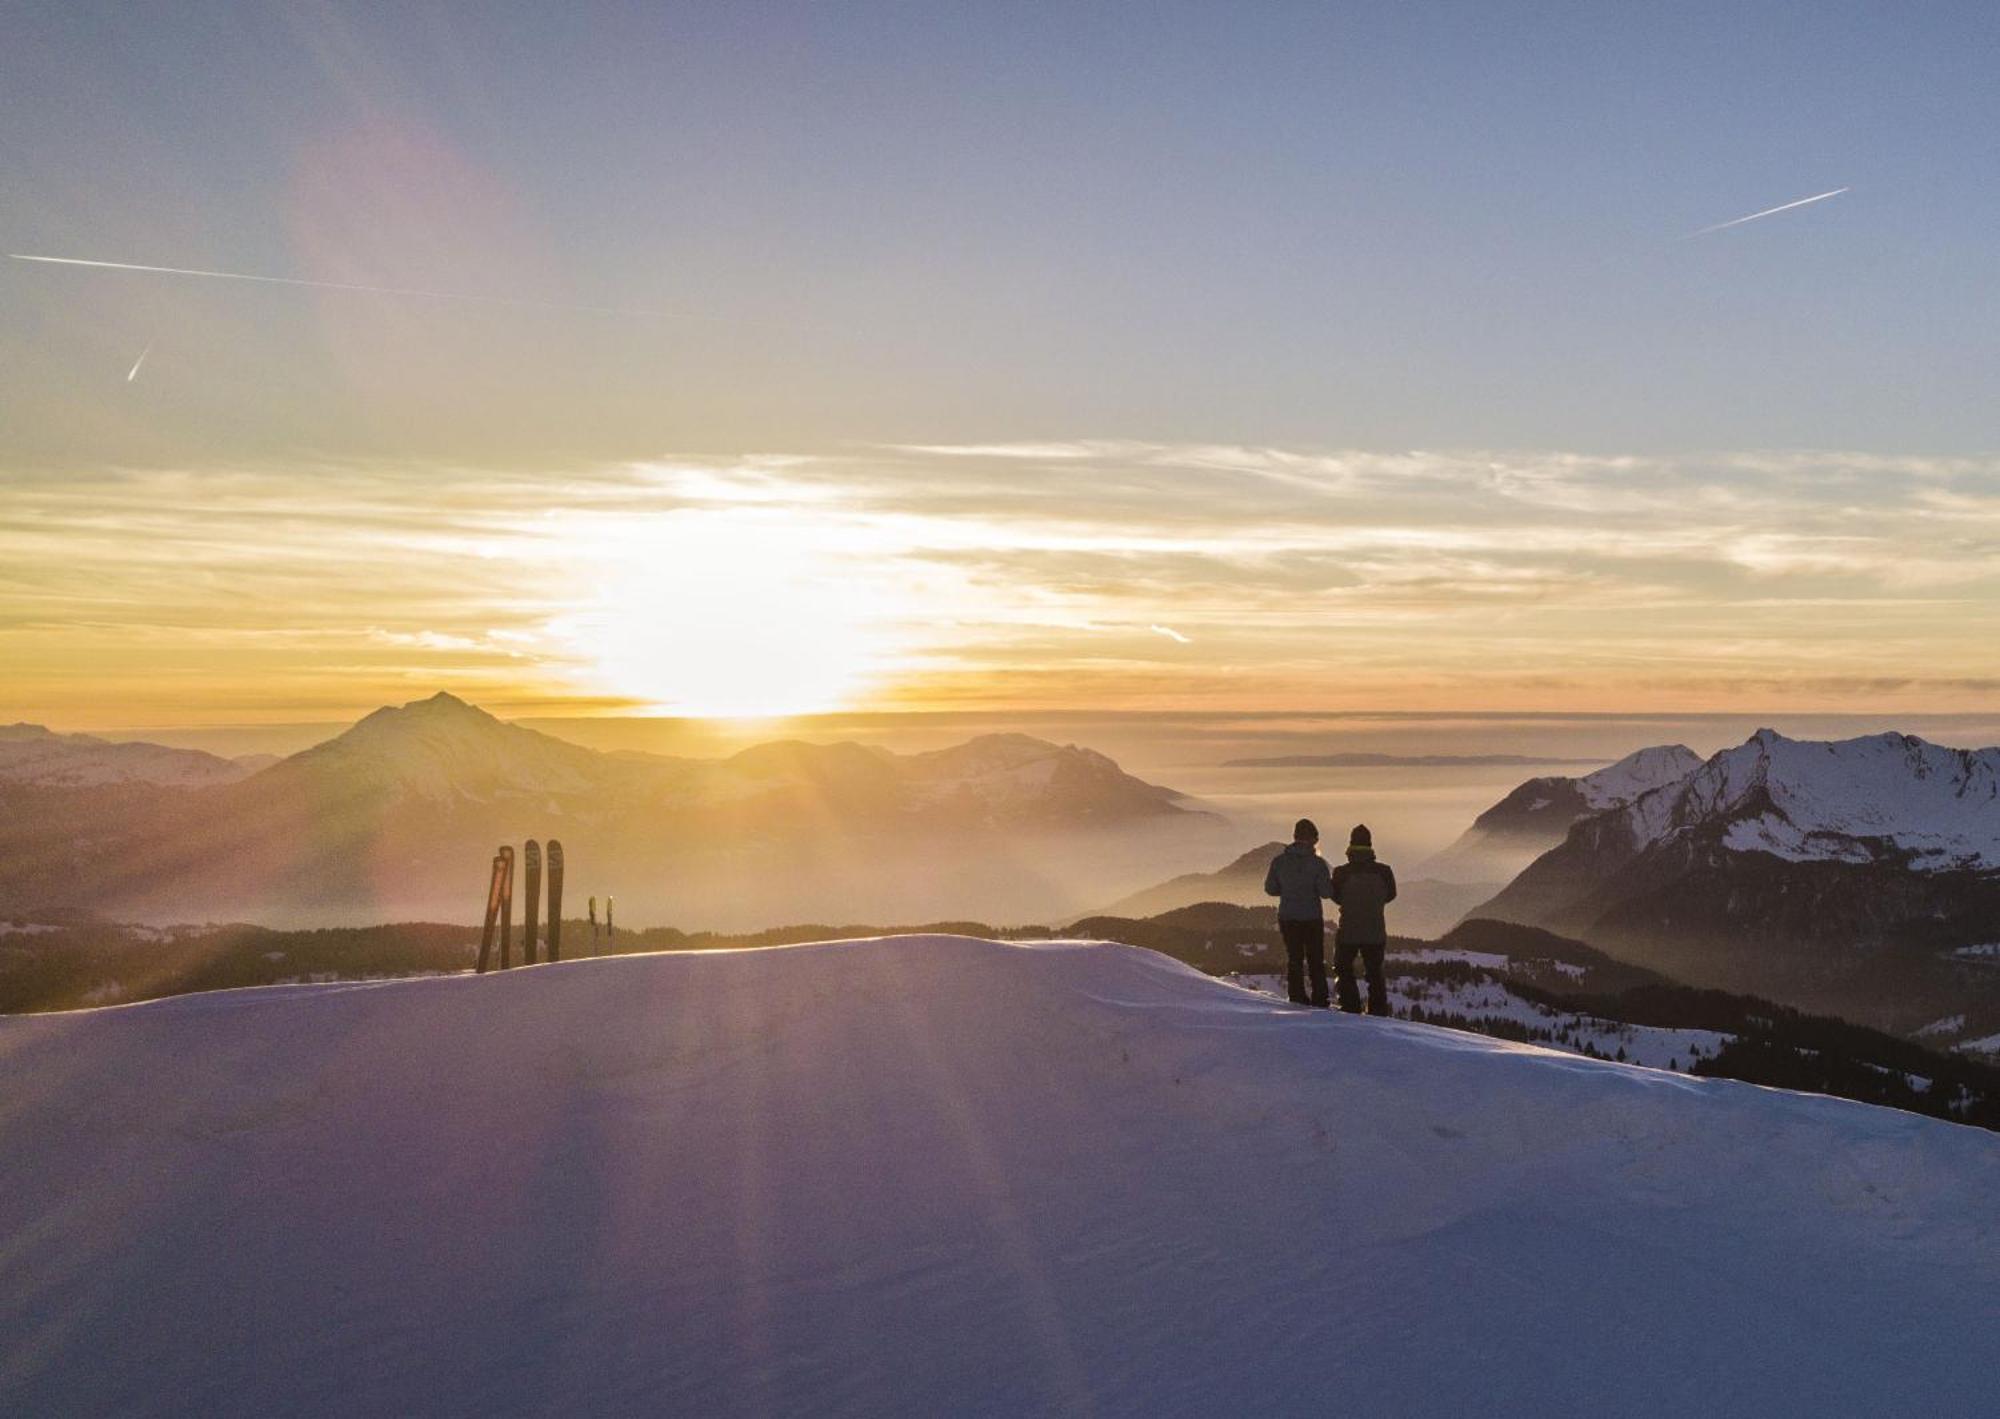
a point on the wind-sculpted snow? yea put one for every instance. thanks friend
(1886, 796)
(934, 1175)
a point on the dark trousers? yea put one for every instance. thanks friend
(1344, 953)
(1305, 953)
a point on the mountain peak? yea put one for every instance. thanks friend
(1639, 772)
(445, 702)
(1257, 858)
(441, 747)
(1880, 796)
(440, 708)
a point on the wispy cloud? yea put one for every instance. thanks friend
(196, 273)
(1309, 577)
(1770, 212)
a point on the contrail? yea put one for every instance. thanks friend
(1767, 212)
(1171, 634)
(133, 373)
(326, 285)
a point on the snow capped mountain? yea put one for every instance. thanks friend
(1618, 784)
(31, 754)
(1534, 817)
(1887, 798)
(935, 1175)
(1837, 875)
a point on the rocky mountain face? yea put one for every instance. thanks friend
(401, 812)
(1536, 816)
(1861, 876)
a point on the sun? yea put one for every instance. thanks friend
(736, 614)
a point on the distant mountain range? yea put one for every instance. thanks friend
(1411, 761)
(399, 814)
(1424, 906)
(1537, 815)
(33, 754)
(1240, 882)
(1861, 876)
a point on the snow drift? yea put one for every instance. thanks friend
(931, 1175)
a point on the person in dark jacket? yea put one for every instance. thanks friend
(1299, 879)
(1362, 886)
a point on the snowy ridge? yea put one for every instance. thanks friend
(1535, 815)
(31, 754)
(928, 1175)
(1884, 797)
(1617, 784)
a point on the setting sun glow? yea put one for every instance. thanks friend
(733, 614)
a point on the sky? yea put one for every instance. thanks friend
(782, 358)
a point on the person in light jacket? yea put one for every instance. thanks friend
(1362, 886)
(1300, 879)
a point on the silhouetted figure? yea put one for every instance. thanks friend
(609, 930)
(1299, 879)
(1362, 886)
(593, 918)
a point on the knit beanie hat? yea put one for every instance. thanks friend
(1361, 837)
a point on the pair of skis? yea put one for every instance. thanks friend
(500, 905)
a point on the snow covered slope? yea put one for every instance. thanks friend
(1535, 816)
(32, 754)
(934, 1175)
(1636, 773)
(1840, 877)
(1886, 797)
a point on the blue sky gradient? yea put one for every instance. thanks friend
(940, 356)
(1352, 226)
